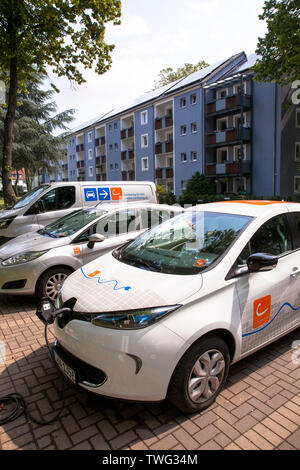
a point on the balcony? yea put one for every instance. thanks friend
(228, 104)
(127, 133)
(163, 122)
(101, 177)
(99, 141)
(80, 164)
(101, 160)
(228, 168)
(127, 154)
(228, 136)
(64, 167)
(163, 147)
(80, 148)
(164, 173)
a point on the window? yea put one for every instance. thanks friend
(193, 127)
(111, 167)
(116, 147)
(273, 238)
(110, 127)
(144, 140)
(182, 130)
(89, 137)
(222, 155)
(237, 121)
(222, 124)
(297, 184)
(238, 89)
(298, 118)
(193, 156)
(297, 152)
(183, 157)
(221, 94)
(90, 171)
(144, 117)
(193, 99)
(182, 102)
(152, 217)
(110, 148)
(237, 153)
(57, 199)
(116, 166)
(90, 154)
(115, 125)
(145, 164)
(117, 224)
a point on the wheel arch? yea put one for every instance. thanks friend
(62, 265)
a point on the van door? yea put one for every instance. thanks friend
(117, 228)
(56, 203)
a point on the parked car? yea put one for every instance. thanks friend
(49, 202)
(166, 315)
(38, 263)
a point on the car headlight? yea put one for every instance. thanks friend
(22, 258)
(132, 319)
(4, 223)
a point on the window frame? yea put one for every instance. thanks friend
(143, 145)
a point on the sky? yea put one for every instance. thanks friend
(157, 34)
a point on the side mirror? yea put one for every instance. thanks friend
(95, 238)
(260, 262)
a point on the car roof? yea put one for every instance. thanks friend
(253, 208)
(135, 205)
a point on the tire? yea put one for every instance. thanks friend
(195, 384)
(50, 282)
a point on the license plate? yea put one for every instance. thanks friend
(66, 370)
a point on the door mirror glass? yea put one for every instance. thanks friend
(259, 262)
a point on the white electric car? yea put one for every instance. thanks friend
(167, 314)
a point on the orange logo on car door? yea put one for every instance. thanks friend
(261, 311)
(116, 193)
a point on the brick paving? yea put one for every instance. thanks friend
(258, 409)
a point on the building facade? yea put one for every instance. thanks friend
(218, 121)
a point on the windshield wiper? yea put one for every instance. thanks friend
(43, 232)
(141, 262)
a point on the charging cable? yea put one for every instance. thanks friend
(17, 402)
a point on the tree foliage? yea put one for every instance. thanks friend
(63, 34)
(197, 188)
(279, 50)
(35, 148)
(169, 75)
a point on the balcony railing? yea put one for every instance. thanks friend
(227, 104)
(163, 122)
(80, 164)
(127, 155)
(101, 160)
(164, 147)
(80, 148)
(230, 135)
(101, 177)
(228, 168)
(127, 133)
(99, 141)
(164, 173)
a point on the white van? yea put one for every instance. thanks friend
(49, 202)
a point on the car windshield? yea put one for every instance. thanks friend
(187, 244)
(30, 196)
(71, 223)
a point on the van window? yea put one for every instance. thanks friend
(58, 199)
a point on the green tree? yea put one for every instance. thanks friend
(164, 196)
(198, 187)
(169, 75)
(63, 34)
(35, 147)
(279, 50)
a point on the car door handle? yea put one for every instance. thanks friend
(295, 273)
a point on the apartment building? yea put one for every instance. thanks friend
(219, 121)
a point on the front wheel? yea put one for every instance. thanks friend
(51, 282)
(200, 375)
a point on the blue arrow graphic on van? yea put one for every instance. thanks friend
(286, 304)
(105, 282)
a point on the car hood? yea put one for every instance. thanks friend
(106, 285)
(32, 241)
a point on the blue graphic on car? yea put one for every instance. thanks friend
(90, 194)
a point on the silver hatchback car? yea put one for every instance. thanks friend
(37, 263)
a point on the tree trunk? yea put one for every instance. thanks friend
(8, 192)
